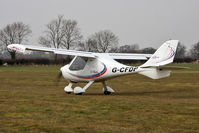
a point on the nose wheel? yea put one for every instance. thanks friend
(78, 90)
(68, 89)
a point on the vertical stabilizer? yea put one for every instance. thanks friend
(164, 55)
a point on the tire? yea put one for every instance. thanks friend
(107, 92)
(79, 94)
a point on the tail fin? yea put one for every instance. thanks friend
(163, 56)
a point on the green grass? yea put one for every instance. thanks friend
(30, 101)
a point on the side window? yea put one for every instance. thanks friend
(78, 64)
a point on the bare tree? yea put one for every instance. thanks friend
(105, 40)
(61, 33)
(54, 34)
(114, 50)
(134, 48)
(88, 45)
(91, 45)
(72, 33)
(17, 32)
(195, 51)
(124, 49)
(81, 46)
(45, 41)
(181, 51)
(148, 50)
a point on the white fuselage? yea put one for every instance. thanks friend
(97, 69)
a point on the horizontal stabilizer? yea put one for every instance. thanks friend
(168, 67)
(155, 73)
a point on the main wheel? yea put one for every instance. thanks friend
(68, 92)
(78, 93)
(107, 92)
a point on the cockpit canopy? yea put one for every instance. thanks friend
(78, 63)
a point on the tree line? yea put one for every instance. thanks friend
(65, 33)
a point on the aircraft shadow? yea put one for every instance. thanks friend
(141, 93)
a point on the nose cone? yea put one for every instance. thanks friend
(61, 69)
(9, 47)
(64, 68)
(16, 48)
(64, 71)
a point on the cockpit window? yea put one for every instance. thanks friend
(78, 64)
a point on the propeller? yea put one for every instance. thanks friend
(59, 77)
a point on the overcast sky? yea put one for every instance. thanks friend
(146, 22)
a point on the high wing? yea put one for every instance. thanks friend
(124, 56)
(22, 48)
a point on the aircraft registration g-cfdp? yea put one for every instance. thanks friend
(93, 67)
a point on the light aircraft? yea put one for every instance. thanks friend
(93, 67)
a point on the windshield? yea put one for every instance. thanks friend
(78, 64)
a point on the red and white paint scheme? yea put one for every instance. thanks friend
(93, 67)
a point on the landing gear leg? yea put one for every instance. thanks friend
(79, 90)
(68, 89)
(107, 90)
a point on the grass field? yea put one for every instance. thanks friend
(30, 101)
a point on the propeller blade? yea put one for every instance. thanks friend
(59, 76)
